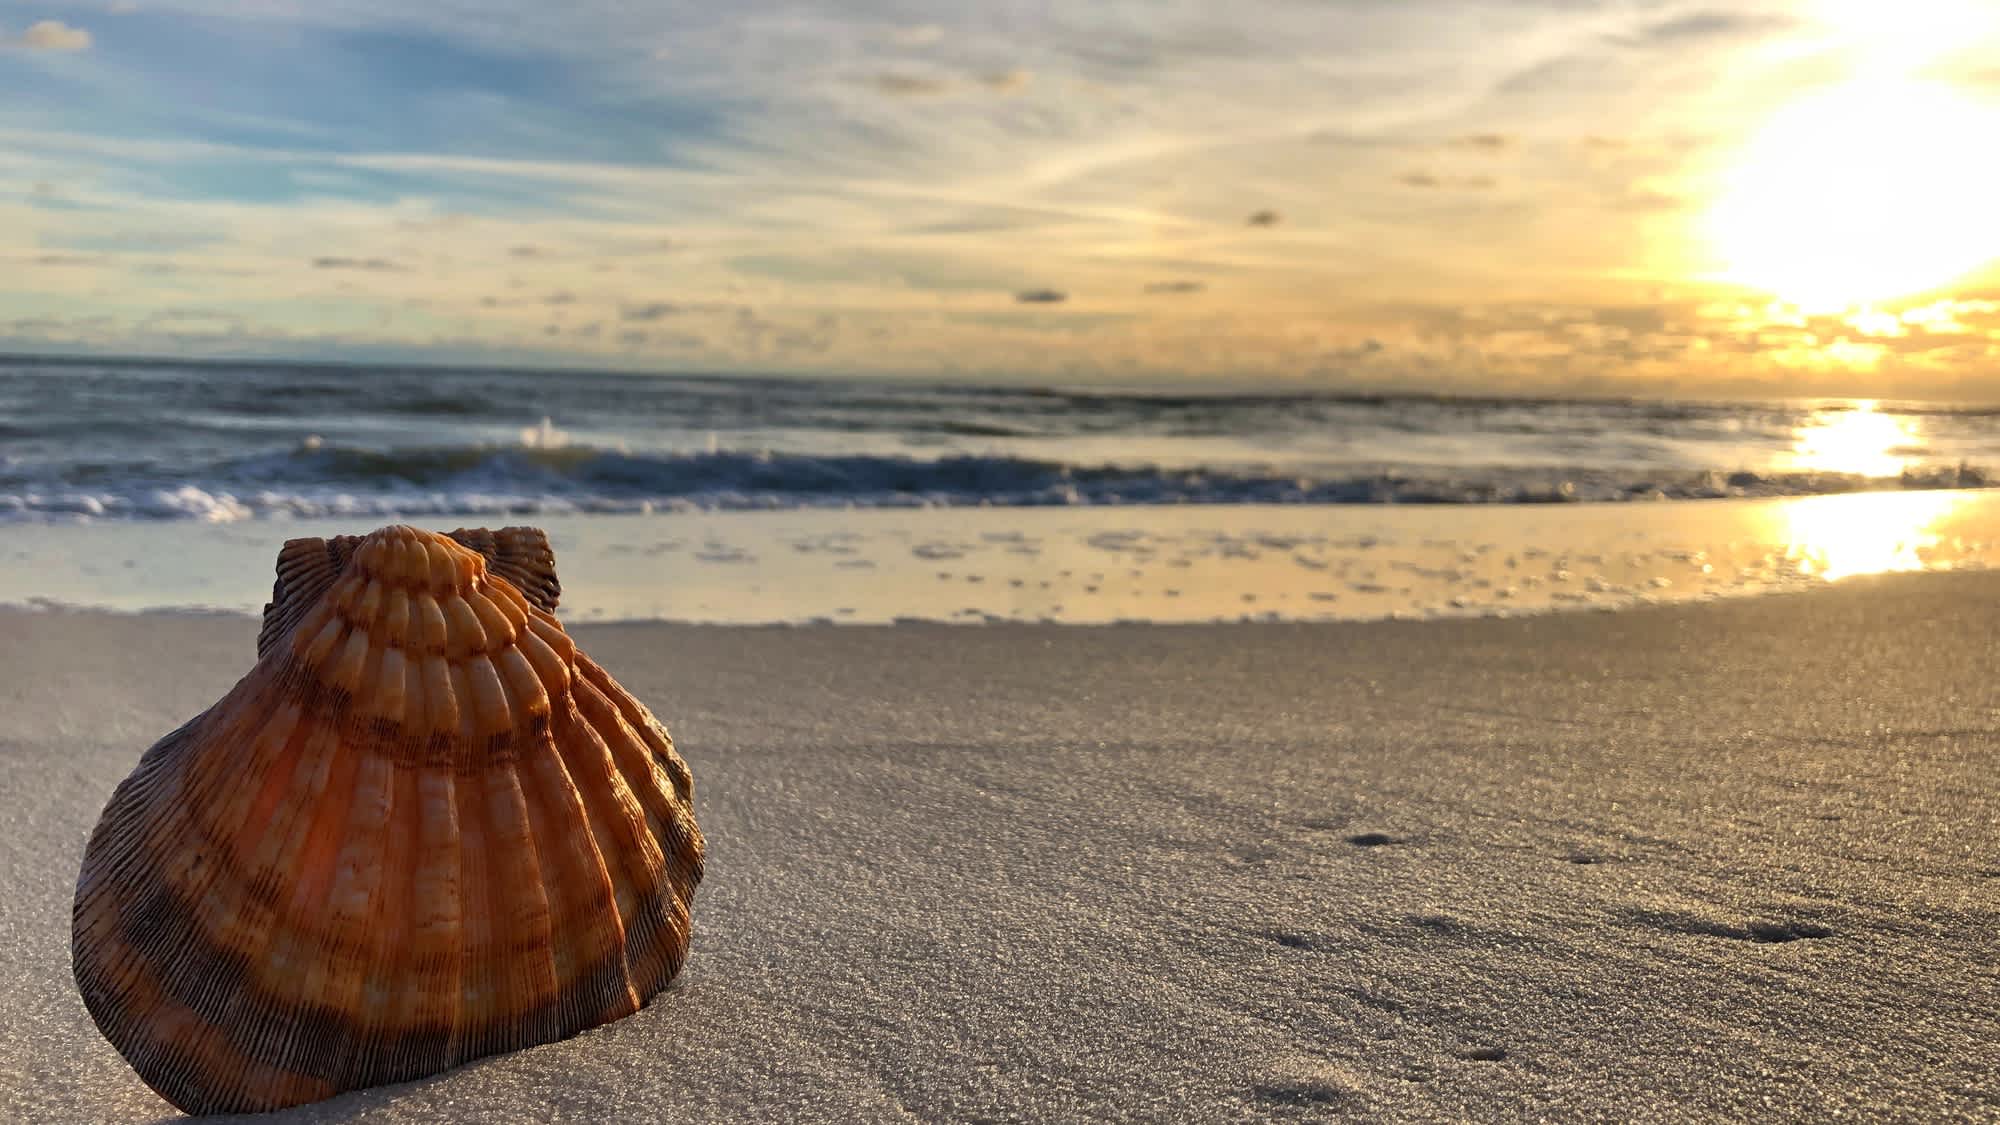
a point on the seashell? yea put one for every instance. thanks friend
(424, 828)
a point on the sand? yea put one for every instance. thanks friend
(1737, 861)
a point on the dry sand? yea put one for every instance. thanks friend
(1725, 862)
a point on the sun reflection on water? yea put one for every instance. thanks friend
(1858, 440)
(1836, 537)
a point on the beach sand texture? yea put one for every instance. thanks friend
(1736, 861)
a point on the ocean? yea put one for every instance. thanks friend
(146, 485)
(221, 442)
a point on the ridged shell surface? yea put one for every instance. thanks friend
(424, 828)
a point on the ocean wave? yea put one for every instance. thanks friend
(322, 481)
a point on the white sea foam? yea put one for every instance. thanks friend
(552, 477)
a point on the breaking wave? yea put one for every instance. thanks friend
(550, 477)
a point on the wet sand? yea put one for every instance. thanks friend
(1734, 861)
(1167, 564)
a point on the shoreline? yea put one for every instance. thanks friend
(1725, 861)
(42, 606)
(1192, 563)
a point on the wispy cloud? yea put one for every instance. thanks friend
(910, 85)
(1007, 81)
(50, 35)
(1431, 181)
(383, 265)
(916, 35)
(1707, 26)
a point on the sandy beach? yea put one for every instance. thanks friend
(1730, 861)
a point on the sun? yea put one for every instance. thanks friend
(1878, 189)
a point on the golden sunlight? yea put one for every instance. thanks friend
(1878, 189)
(1835, 537)
(1902, 37)
(1856, 440)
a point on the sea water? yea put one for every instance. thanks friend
(142, 484)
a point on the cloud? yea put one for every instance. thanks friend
(52, 326)
(898, 84)
(377, 264)
(52, 35)
(525, 252)
(1430, 181)
(1176, 286)
(195, 322)
(562, 297)
(1485, 142)
(909, 85)
(1355, 352)
(777, 337)
(657, 310)
(1708, 26)
(1041, 296)
(919, 35)
(1649, 196)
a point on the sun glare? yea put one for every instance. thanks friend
(1879, 189)
(1903, 36)
(1858, 441)
(1836, 537)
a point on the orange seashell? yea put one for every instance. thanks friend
(424, 828)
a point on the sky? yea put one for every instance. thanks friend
(1515, 196)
